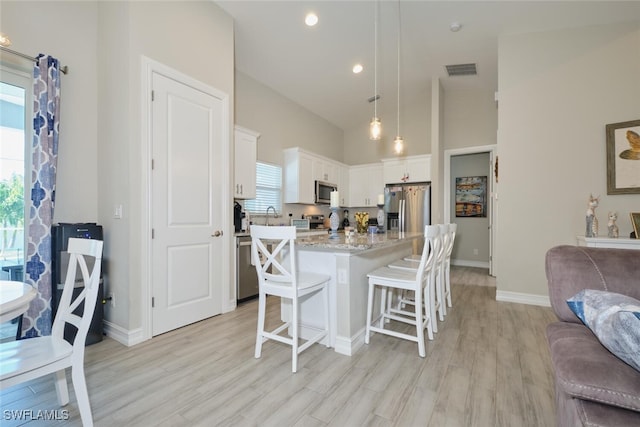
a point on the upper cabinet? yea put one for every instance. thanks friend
(245, 145)
(325, 170)
(302, 169)
(365, 184)
(298, 177)
(408, 169)
(344, 184)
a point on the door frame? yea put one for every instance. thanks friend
(148, 67)
(493, 206)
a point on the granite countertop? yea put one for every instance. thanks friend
(358, 243)
(300, 233)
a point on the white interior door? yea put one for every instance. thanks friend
(186, 145)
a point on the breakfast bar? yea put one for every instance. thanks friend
(347, 260)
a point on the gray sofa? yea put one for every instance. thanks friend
(593, 386)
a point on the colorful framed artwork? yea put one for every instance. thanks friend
(623, 157)
(471, 196)
(635, 222)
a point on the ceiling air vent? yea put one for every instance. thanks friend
(461, 70)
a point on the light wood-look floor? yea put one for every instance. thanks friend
(487, 366)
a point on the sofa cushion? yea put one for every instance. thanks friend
(586, 370)
(573, 411)
(614, 319)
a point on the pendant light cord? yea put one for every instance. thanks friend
(375, 61)
(399, 26)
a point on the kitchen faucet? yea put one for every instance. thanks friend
(274, 214)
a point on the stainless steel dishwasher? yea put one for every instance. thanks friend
(246, 276)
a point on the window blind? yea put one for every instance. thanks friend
(268, 189)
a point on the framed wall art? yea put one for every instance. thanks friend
(635, 222)
(623, 157)
(471, 196)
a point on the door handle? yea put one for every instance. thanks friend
(217, 233)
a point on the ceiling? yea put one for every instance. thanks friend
(312, 65)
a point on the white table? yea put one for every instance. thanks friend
(14, 299)
(607, 242)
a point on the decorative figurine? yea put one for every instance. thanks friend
(592, 221)
(611, 225)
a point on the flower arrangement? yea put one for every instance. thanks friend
(362, 221)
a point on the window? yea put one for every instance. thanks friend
(14, 91)
(268, 189)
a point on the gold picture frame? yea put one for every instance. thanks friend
(635, 223)
(623, 157)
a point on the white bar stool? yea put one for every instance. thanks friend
(447, 262)
(408, 264)
(420, 281)
(281, 278)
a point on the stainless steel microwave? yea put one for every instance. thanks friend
(323, 192)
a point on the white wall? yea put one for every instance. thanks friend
(470, 118)
(557, 91)
(67, 31)
(100, 154)
(283, 123)
(200, 45)
(415, 128)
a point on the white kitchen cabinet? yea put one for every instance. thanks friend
(325, 170)
(299, 181)
(302, 169)
(365, 184)
(246, 146)
(408, 169)
(343, 185)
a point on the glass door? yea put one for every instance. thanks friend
(15, 90)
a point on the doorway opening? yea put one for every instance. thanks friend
(475, 237)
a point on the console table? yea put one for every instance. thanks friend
(607, 242)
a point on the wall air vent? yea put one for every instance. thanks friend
(461, 70)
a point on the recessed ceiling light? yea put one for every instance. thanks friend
(311, 19)
(5, 41)
(357, 69)
(455, 26)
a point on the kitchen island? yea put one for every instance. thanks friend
(347, 261)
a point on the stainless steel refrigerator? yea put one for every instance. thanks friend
(408, 208)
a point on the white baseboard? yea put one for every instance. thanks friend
(229, 306)
(123, 336)
(467, 263)
(520, 298)
(348, 346)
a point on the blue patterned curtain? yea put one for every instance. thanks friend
(44, 154)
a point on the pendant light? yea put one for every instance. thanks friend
(375, 127)
(398, 142)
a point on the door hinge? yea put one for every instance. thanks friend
(153, 302)
(153, 164)
(153, 95)
(153, 233)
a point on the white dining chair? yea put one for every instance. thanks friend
(278, 275)
(27, 359)
(420, 282)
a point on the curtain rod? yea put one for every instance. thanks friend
(63, 68)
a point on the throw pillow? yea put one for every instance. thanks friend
(614, 319)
